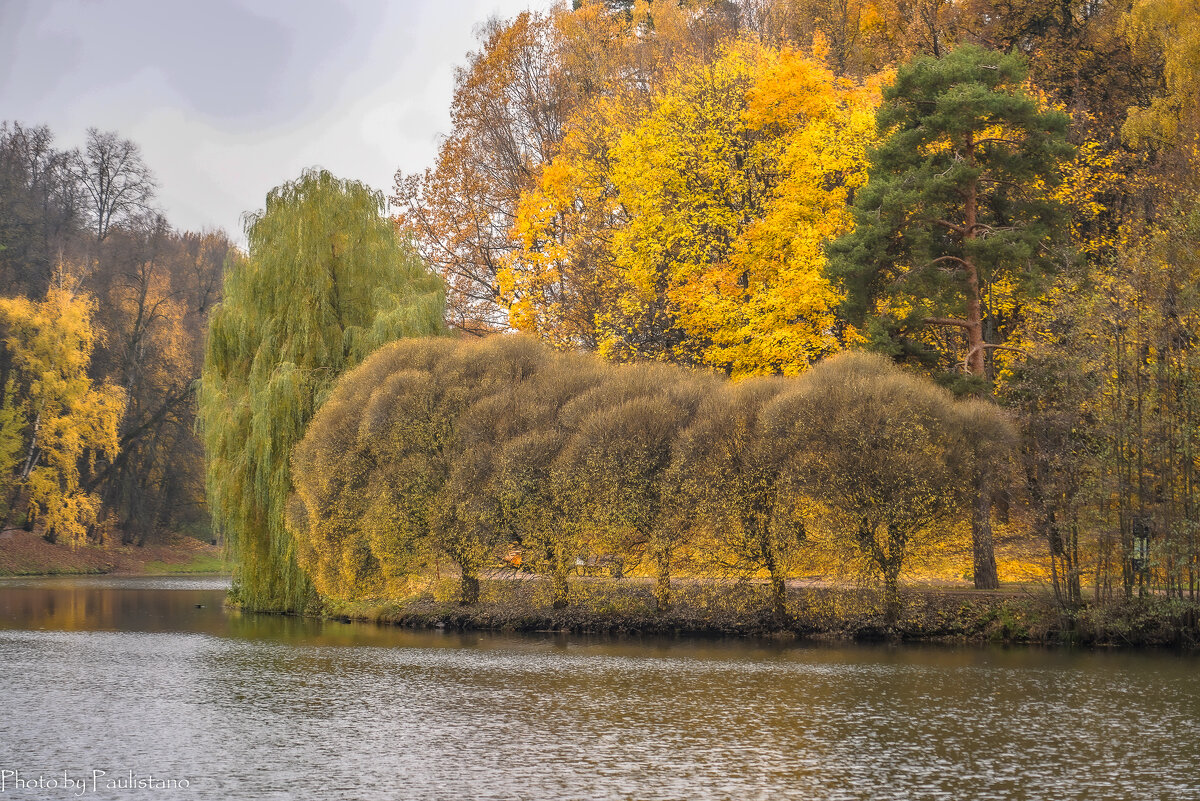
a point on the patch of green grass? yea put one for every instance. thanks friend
(200, 563)
(51, 571)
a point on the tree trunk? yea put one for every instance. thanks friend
(982, 541)
(891, 561)
(779, 597)
(975, 343)
(662, 586)
(974, 320)
(34, 453)
(1075, 585)
(778, 581)
(559, 588)
(662, 592)
(469, 592)
(891, 594)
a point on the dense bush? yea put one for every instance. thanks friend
(468, 451)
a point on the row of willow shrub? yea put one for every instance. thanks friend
(436, 448)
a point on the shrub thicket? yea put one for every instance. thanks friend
(475, 451)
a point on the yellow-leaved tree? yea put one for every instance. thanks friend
(68, 419)
(1168, 25)
(690, 228)
(773, 308)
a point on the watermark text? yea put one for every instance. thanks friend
(84, 783)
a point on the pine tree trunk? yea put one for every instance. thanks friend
(974, 320)
(982, 542)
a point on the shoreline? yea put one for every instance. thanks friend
(850, 615)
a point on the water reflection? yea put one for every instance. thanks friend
(159, 678)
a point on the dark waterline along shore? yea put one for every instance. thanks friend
(701, 608)
(708, 609)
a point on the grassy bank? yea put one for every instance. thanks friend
(742, 609)
(23, 553)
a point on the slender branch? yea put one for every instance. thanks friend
(904, 275)
(988, 346)
(160, 414)
(963, 262)
(992, 228)
(1020, 189)
(997, 139)
(946, 321)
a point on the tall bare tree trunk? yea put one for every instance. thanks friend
(982, 541)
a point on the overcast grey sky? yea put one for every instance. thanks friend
(229, 98)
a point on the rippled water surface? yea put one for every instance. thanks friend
(152, 678)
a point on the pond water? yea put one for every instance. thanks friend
(111, 682)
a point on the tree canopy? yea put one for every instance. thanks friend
(958, 209)
(66, 419)
(434, 449)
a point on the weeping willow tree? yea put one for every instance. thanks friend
(326, 282)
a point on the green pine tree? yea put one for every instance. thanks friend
(959, 199)
(326, 282)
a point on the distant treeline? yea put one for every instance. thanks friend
(103, 306)
(467, 450)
